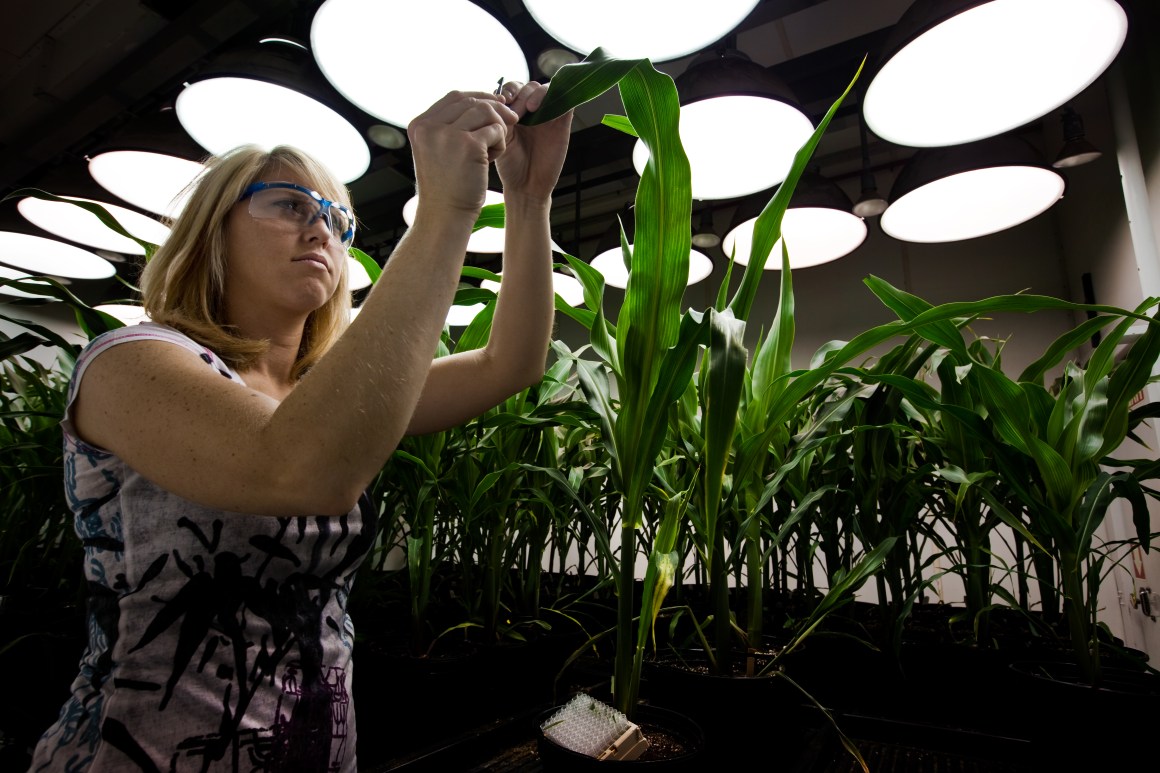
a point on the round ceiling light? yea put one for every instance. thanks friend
(813, 235)
(736, 145)
(610, 264)
(462, 316)
(964, 70)
(457, 316)
(965, 191)
(152, 181)
(453, 44)
(81, 226)
(485, 240)
(221, 113)
(38, 255)
(971, 204)
(563, 285)
(659, 30)
(357, 276)
(127, 313)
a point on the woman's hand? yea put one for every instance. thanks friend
(453, 143)
(533, 156)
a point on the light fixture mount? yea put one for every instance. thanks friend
(1076, 149)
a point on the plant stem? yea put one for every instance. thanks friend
(623, 686)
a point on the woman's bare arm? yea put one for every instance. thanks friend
(192, 432)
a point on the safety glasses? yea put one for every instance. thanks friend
(300, 207)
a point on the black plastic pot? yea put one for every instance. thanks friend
(1074, 723)
(732, 708)
(655, 722)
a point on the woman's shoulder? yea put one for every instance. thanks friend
(145, 331)
(148, 331)
(142, 331)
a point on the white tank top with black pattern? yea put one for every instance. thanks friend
(216, 640)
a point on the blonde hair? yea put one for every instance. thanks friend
(183, 284)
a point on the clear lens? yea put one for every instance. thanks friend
(300, 209)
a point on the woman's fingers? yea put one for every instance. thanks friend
(470, 110)
(477, 112)
(523, 97)
(455, 140)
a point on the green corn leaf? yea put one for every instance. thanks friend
(767, 229)
(591, 280)
(475, 335)
(1131, 490)
(21, 343)
(907, 307)
(1018, 303)
(1087, 439)
(467, 296)
(575, 84)
(594, 382)
(475, 272)
(924, 396)
(597, 528)
(620, 123)
(722, 396)
(426, 470)
(100, 212)
(1062, 346)
(490, 216)
(601, 334)
(1103, 359)
(583, 316)
(649, 321)
(842, 590)
(1094, 507)
(1006, 516)
(488, 482)
(1133, 373)
(90, 320)
(650, 314)
(368, 263)
(50, 337)
(675, 373)
(772, 361)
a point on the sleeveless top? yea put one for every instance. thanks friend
(216, 640)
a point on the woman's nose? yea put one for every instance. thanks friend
(320, 226)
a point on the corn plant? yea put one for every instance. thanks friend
(1066, 435)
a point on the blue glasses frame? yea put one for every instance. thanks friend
(324, 206)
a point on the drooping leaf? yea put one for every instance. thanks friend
(96, 209)
(578, 83)
(620, 123)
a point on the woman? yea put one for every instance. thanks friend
(221, 516)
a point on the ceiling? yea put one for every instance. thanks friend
(76, 74)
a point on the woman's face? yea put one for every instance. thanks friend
(275, 261)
